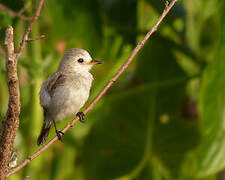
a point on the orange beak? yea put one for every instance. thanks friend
(93, 62)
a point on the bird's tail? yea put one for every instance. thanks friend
(44, 132)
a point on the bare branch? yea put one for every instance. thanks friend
(10, 123)
(13, 13)
(104, 90)
(37, 38)
(24, 9)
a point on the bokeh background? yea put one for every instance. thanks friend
(164, 119)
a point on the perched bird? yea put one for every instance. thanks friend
(66, 91)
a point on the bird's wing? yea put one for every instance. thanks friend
(56, 80)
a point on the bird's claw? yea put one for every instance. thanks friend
(81, 116)
(59, 134)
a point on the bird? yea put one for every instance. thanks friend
(66, 90)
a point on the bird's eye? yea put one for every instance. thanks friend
(80, 60)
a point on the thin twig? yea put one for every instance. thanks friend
(10, 124)
(13, 13)
(24, 9)
(104, 90)
(37, 38)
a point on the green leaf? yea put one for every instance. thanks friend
(212, 105)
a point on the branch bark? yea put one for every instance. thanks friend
(34, 39)
(104, 90)
(10, 123)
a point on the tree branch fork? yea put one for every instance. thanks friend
(11, 122)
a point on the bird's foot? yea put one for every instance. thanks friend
(59, 134)
(81, 116)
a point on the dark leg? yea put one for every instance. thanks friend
(58, 133)
(81, 116)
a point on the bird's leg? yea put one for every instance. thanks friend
(58, 133)
(81, 116)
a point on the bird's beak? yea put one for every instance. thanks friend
(93, 62)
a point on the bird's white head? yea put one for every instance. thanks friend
(77, 60)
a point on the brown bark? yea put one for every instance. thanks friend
(10, 123)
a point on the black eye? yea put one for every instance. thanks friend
(80, 60)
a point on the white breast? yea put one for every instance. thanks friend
(70, 97)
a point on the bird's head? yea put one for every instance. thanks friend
(77, 60)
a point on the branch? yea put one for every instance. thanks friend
(104, 90)
(10, 124)
(34, 39)
(11, 121)
(24, 9)
(13, 13)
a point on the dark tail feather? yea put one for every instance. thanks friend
(44, 133)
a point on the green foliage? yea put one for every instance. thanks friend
(162, 119)
(213, 98)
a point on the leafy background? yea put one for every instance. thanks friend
(163, 119)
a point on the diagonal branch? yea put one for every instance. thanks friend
(13, 13)
(10, 123)
(104, 90)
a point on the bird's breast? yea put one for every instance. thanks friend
(69, 98)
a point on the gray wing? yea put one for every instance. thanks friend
(54, 82)
(48, 87)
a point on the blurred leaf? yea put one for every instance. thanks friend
(129, 135)
(212, 103)
(62, 164)
(123, 22)
(80, 23)
(157, 62)
(144, 123)
(5, 20)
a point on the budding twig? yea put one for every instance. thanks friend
(34, 39)
(104, 90)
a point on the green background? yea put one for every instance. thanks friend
(164, 118)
